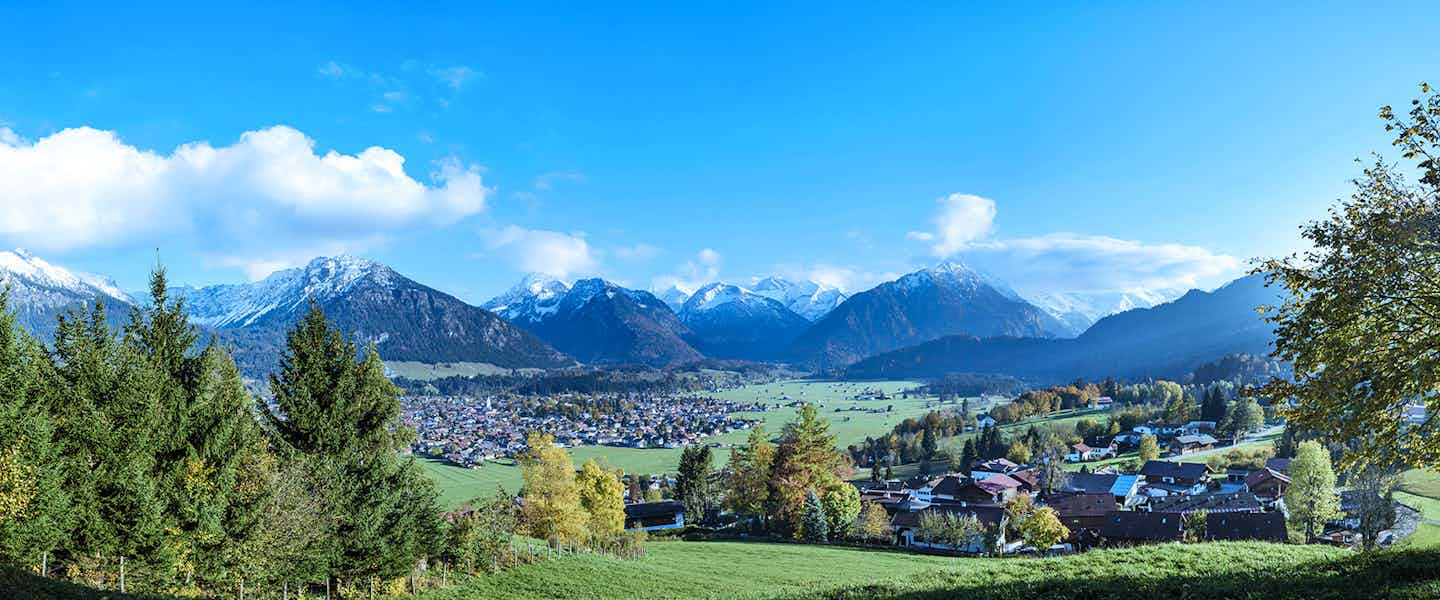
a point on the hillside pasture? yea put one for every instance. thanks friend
(767, 570)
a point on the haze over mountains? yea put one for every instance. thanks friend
(942, 319)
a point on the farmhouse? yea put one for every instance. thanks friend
(1267, 484)
(1164, 478)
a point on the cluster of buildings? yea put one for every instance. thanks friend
(467, 431)
(1105, 508)
(1177, 440)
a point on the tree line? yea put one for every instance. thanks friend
(137, 459)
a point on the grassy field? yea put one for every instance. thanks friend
(458, 484)
(1421, 490)
(759, 570)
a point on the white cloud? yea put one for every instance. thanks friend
(1065, 262)
(267, 199)
(550, 252)
(692, 274)
(960, 220)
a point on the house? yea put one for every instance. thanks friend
(1131, 527)
(1129, 439)
(983, 420)
(1279, 464)
(1267, 484)
(997, 465)
(1082, 512)
(1104, 402)
(1080, 453)
(1164, 478)
(1087, 483)
(654, 516)
(1240, 502)
(1105, 446)
(1198, 427)
(907, 525)
(1190, 444)
(1029, 480)
(995, 490)
(1259, 526)
(945, 487)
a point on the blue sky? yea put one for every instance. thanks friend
(1068, 147)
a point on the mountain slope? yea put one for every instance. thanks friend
(948, 299)
(1167, 340)
(599, 322)
(728, 321)
(40, 290)
(404, 319)
(806, 298)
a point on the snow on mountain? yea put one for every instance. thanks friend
(1083, 309)
(39, 290)
(673, 296)
(729, 321)
(283, 292)
(535, 296)
(32, 271)
(806, 298)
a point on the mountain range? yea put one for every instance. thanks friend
(944, 319)
(376, 305)
(598, 321)
(728, 321)
(1162, 341)
(947, 299)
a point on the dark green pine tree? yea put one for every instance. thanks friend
(34, 511)
(207, 428)
(103, 399)
(931, 443)
(692, 483)
(343, 418)
(968, 456)
(812, 519)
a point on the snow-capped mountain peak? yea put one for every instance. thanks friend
(1082, 309)
(673, 296)
(324, 278)
(21, 264)
(533, 289)
(806, 298)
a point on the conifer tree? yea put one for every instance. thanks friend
(807, 458)
(812, 523)
(342, 417)
(750, 467)
(33, 507)
(104, 402)
(692, 484)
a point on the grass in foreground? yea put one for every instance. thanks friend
(760, 570)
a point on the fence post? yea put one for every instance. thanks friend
(285, 592)
(122, 574)
(242, 588)
(44, 563)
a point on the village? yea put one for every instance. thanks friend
(467, 431)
